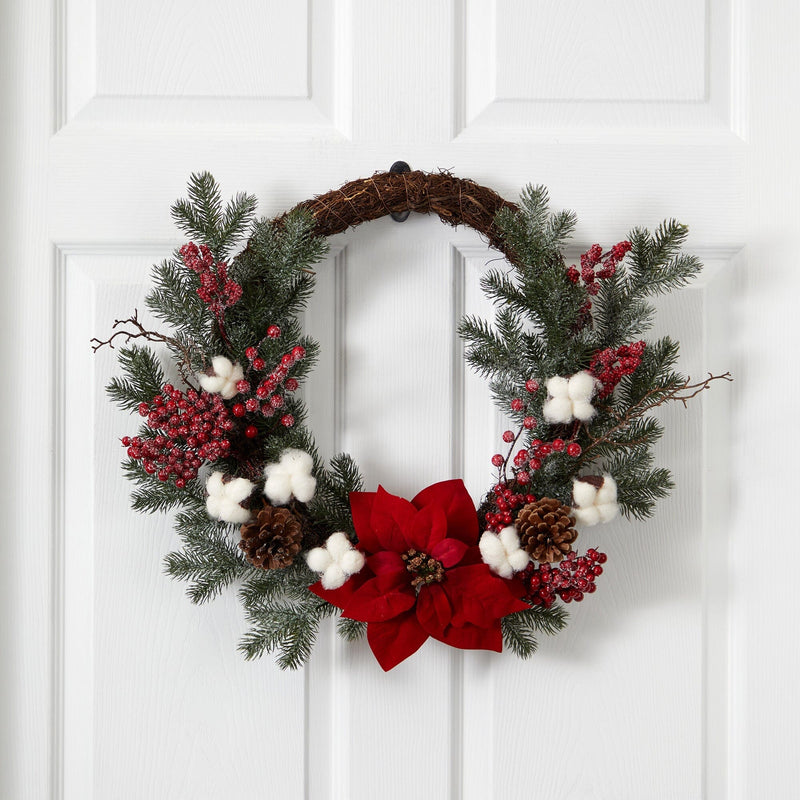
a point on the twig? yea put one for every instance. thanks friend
(643, 406)
(141, 332)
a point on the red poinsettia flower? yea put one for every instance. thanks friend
(424, 575)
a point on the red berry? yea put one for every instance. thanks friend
(287, 360)
(273, 331)
(126, 441)
(239, 410)
(144, 409)
(180, 483)
(291, 385)
(532, 386)
(558, 445)
(251, 431)
(574, 449)
(529, 423)
(535, 463)
(298, 353)
(276, 401)
(508, 436)
(523, 477)
(251, 404)
(516, 404)
(243, 387)
(258, 364)
(287, 420)
(497, 460)
(251, 353)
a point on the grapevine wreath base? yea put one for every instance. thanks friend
(228, 448)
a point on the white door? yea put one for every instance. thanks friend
(676, 680)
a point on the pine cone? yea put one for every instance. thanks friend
(273, 538)
(546, 529)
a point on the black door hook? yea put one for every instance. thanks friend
(400, 166)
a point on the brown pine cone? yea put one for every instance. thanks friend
(546, 529)
(273, 538)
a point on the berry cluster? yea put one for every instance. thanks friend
(216, 290)
(189, 428)
(529, 460)
(609, 366)
(506, 501)
(569, 580)
(593, 258)
(269, 394)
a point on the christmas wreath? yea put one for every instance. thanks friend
(226, 444)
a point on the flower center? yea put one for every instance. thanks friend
(424, 568)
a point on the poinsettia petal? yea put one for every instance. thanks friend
(391, 517)
(361, 509)
(449, 552)
(433, 609)
(395, 640)
(480, 597)
(341, 596)
(387, 561)
(471, 637)
(427, 529)
(453, 498)
(381, 598)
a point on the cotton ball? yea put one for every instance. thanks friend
(352, 562)
(607, 511)
(607, 493)
(233, 512)
(278, 487)
(492, 550)
(297, 461)
(333, 577)
(518, 560)
(558, 387)
(583, 493)
(586, 516)
(212, 384)
(238, 489)
(214, 484)
(582, 410)
(318, 559)
(557, 410)
(581, 386)
(510, 538)
(303, 487)
(338, 544)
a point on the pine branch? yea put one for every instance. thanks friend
(520, 629)
(351, 630)
(143, 381)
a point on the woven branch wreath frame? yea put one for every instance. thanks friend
(256, 504)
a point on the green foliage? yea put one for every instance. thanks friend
(520, 629)
(210, 560)
(202, 217)
(351, 630)
(332, 499)
(143, 378)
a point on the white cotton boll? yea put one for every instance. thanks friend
(212, 384)
(558, 386)
(222, 366)
(509, 538)
(518, 560)
(607, 511)
(352, 562)
(238, 489)
(214, 483)
(492, 551)
(582, 410)
(586, 516)
(557, 410)
(583, 493)
(278, 487)
(318, 559)
(503, 569)
(581, 386)
(297, 462)
(338, 544)
(233, 512)
(214, 506)
(333, 577)
(607, 493)
(303, 487)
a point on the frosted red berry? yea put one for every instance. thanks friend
(508, 436)
(532, 386)
(574, 449)
(497, 460)
(251, 431)
(287, 420)
(517, 404)
(291, 385)
(273, 331)
(238, 410)
(259, 364)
